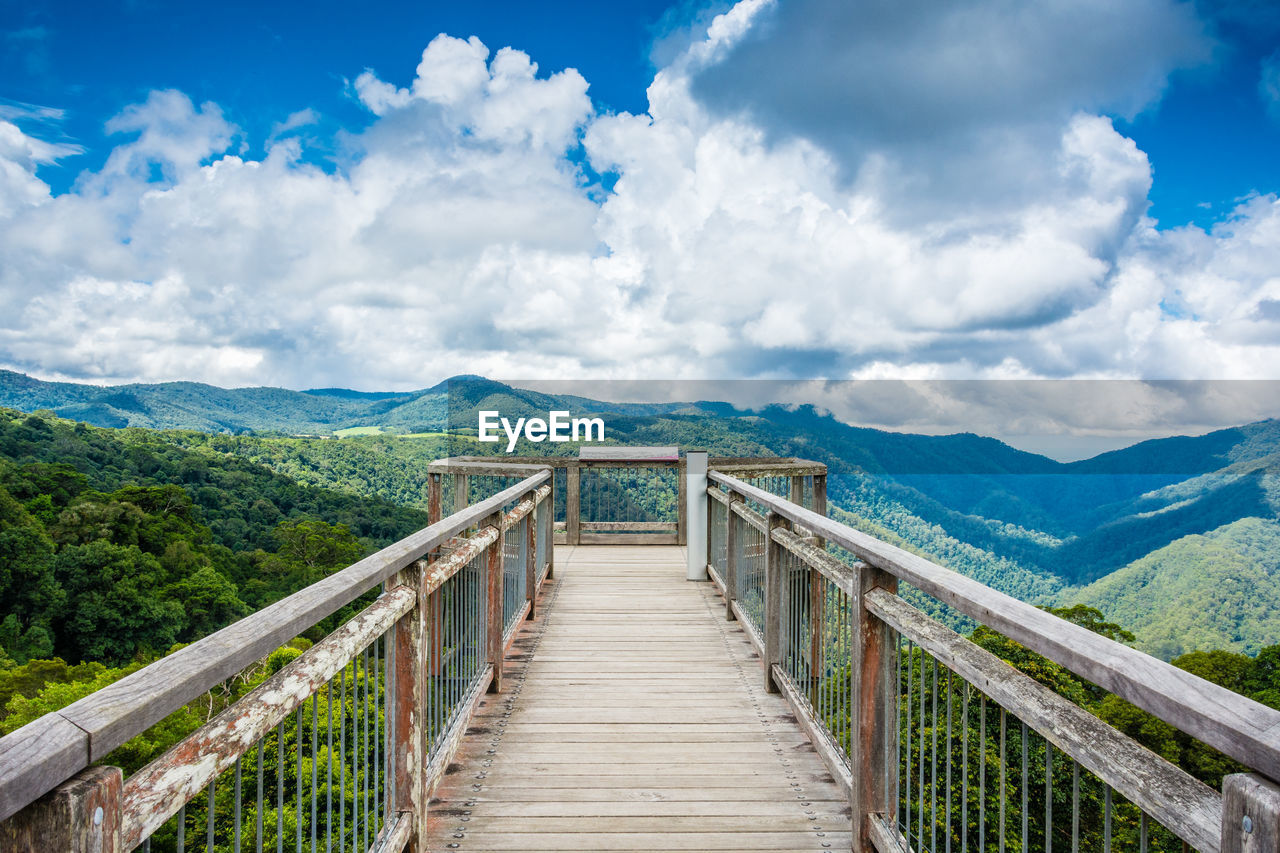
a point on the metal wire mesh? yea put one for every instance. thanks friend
(542, 543)
(816, 645)
(717, 536)
(456, 653)
(515, 554)
(619, 496)
(749, 553)
(317, 781)
(971, 775)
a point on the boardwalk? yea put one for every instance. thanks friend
(634, 718)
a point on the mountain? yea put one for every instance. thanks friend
(1022, 522)
(1218, 590)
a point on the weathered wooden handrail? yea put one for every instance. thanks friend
(801, 580)
(54, 747)
(1246, 730)
(157, 791)
(1173, 797)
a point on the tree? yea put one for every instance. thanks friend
(116, 609)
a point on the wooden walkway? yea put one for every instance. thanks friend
(635, 718)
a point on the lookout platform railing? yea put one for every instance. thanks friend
(940, 745)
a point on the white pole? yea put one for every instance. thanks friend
(696, 513)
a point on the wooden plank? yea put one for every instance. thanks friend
(826, 749)
(1246, 730)
(632, 727)
(633, 526)
(750, 516)
(37, 757)
(875, 696)
(446, 747)
(829, 567)
(1250, 814)
(573, 506)
(627, 538)
(609, 453)
(80, 816)
(773, 581)
(885, 836)
(156, 792)
(1186, 806)
(407, 719)
(493, 603)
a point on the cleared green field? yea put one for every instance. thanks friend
(365, 430)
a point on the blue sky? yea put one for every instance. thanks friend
(319, 194)
(1209, 137)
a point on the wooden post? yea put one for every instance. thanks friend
(817, 620)
(572, 507)
(1250, 814)
(820, 503)
(461, 495)
(875, 686)
(797, 489)
(730, 557)
(772, 600)
(493, 609)
(435, 490)
(82, 815)
(408, 723)
(682, 509)
(531, 554)
(551, 525)
(694, 512)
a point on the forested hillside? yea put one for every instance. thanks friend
(1019, 521)
(117, 545)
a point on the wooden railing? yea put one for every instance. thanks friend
(383, 702)
(878, 684)
(591, 506)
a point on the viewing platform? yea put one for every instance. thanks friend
(643, 649)
(635, 719)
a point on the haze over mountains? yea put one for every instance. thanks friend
(1176, 538)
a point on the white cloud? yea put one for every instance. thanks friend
(459, 233)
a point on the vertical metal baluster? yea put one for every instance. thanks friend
(342, 763)
(280, 787)
(315, 734)
(261, 799)
(377, 736)
(182, 828)
(897, 742)
(236, 813)
(364, 759)
(1048, 796)
(947, 789)
(933, 763)
(920, 804)
(1003, 775)
(209, 814)
(1142, 834)
(964, 776)
(905, 782)
(1025, 829)
(298, 807)
(1075, 807)
(328, 770)
(1106, 823)
(982, 777)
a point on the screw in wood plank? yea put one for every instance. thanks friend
(1246, 824)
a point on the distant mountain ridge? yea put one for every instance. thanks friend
(1020, 521)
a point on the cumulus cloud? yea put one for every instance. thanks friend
(460, 232)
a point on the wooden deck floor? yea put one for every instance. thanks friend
(634, 718)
